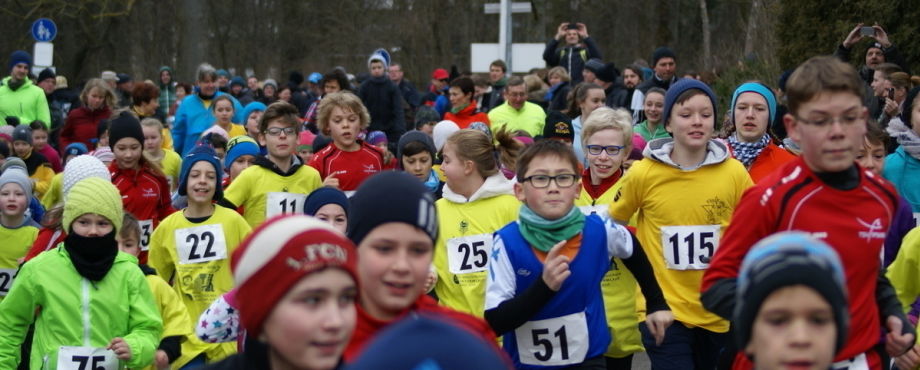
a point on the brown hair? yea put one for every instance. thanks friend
(900, 80)
(344, 100)
(500, 64)
(103, 87)
(560, 72)
(549, 148)
(818, 75)
(887, 69)
(144, 93)
(474, 145)
(224, 97)
(280, 110)
(578, 95)
(875, 134)
(465, 84)
(130, 227)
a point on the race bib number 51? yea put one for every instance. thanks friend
(201, 244)
(278, 203)
(468, 254)
(86, 358)
(689, 247)
(553, 342)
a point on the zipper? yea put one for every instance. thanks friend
(86, 327)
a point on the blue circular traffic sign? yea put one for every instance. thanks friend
(44, 30)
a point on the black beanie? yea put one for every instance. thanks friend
(125, 125)
(608, 73)
(787, 259)
(391, 196)
(662, 52)
(413, 136)
(45, 74)
(907, 112)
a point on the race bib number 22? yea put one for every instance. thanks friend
(201, 244)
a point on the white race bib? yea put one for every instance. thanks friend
(86, 358)
(689, 247)
(553, 342)
(599, 209)
(201, 244)
(855, 363)
(6, 280)
(916, 219)
(278, 203)
(146, 230)
(468, 254)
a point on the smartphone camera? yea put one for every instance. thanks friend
(867, 31)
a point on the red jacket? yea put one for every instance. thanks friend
(351, 168)
(854, 222)
(47, 239)
(466, 116)
(770, 158)
(81, 126)
(368, 327)
(146, 195)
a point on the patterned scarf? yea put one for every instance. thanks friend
(906, 137)
(747, 152)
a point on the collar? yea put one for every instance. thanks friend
(595, 191)
(264, 162)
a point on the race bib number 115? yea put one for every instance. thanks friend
(689, 247)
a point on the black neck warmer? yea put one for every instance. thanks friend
(92, 256)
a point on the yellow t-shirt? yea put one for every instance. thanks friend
(904, 272)
(16, 243)
(688, 211)
(236, 130)
(176, 321)
(171, 164)
(54, 195)
(167, 143)
(463, 248)
(264, 193)
(619, 286)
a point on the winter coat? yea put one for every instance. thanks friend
(28, 102)
(572, 58)
(82, 125)
(384, 103)
(466, 116)
(193, 117)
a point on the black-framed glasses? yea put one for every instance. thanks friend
(541, 181)
(276, 131)
(610, 149)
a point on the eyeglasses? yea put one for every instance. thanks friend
(611, 150)
(276, 131)
(825, 122)
(541, 181)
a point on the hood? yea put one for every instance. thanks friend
(494, 185)
(27, 82)
(660, 150)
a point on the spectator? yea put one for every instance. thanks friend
(383, 100)
(517, 113)
(193, 116)
(167, 91)
(497, 72)
(21, 101)
(577, 50)
(463, 112)
(560, 85)
(239, 91)
(437, 91)
(408, 90)
(123, 88)
(632, 77)
(223, 80)
(664, 63)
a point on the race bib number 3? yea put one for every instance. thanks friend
(86, 358)
(6, 280)
(201, 244)
(553, 342)
(468, 254)
(689, 247)
(277, 203)
(146, 230)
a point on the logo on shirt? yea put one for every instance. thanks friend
(523, 272)
(148, 193)
(464, 226)
(875, 229)
(716, 210)
(369, 168)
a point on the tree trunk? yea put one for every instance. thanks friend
(193, 44)
(707, 52)
(751, 27)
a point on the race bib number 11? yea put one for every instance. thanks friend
(278, 203)
(689, 247)
(86, 358)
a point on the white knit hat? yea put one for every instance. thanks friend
(81, 167)
(442, 131)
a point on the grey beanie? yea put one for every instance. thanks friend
(19, 176)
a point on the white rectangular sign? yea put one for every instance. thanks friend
(524, 56)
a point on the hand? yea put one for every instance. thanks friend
(909, 360)
(161, 361)
(560, 32)
(121, 349)
(582, 30)
(853, 37)
(891, 108)
(897, 343)
(331, 181)
(881, 36)
(431, 280)
(657, 323)
(556, 268)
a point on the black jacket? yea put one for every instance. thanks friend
(384, 103)
(655, 82)
(617, 96)
(572, 58)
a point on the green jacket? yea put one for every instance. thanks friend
(28, 103)
(78, 312)
(530, 118)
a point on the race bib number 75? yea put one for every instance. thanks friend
(689, 247)
(86, 358)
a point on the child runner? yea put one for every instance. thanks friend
(277, 183)
(792, 303)
(167, 159)
(305, 146)
(253, 115)
(348, 160)
(824, 193)
(191, 247)
(477, 201)
(652, 128)
(223, 110)
(585, 99)
(53, 196)
(903, 168)
(415, 154)
(394, 257)
(543, 293)
(379, 140)
(36, 164)
(97, 310)
(241, 153)
(176, 323)
(297, 284)
(17, 231)
(40, 145)
(696, 175)
(753, 109)
(144, 189)
(606, 136)
(329, 205)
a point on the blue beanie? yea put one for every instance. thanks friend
(323, 196)
(75, 149)
(681, 86)
(19, 56)
(759, 88)
(239, 146)
(391, 196)
(252, 107)
(237, 80)
(315, 77)
(201, 152)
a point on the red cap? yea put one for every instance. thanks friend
(440, 74)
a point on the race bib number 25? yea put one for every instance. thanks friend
(468, 254)
(689, 247)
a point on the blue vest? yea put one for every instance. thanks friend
(579, 295)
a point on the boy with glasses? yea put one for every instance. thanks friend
(826, 194)
(543, 288)
(277, 183)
